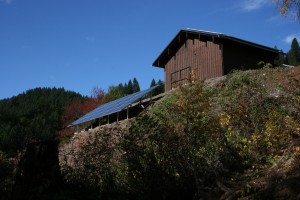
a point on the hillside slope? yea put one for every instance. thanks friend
(235, 137)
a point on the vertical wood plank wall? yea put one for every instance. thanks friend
(204, 58)
(244, 57)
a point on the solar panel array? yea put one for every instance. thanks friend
(112, 107)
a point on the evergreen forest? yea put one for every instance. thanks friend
(34, 115)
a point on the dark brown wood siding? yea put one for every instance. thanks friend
(203, 57)
(244, 57)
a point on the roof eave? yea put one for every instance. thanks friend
(253, 44)
(157, 63)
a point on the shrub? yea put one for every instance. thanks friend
(174, 154)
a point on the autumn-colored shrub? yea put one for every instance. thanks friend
(77, 109)
(256, 122)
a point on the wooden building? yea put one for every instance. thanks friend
(205, 55)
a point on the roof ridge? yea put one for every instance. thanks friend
(203, 31)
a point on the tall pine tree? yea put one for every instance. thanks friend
(153, 83)
(281, 59)
(129, 87)
(136, 86)
(293, 56)
(159, 89)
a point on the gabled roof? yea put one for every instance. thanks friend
(185, 34)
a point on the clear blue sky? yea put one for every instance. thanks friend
(79, 44)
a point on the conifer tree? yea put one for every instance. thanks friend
(161, 86)
(122, 89)
(159, 89)
(153, 83)
(129, 87)
(293, 56)
(281, 59)
(136, 86)
(125, 89)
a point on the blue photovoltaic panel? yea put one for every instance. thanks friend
(112, 107)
